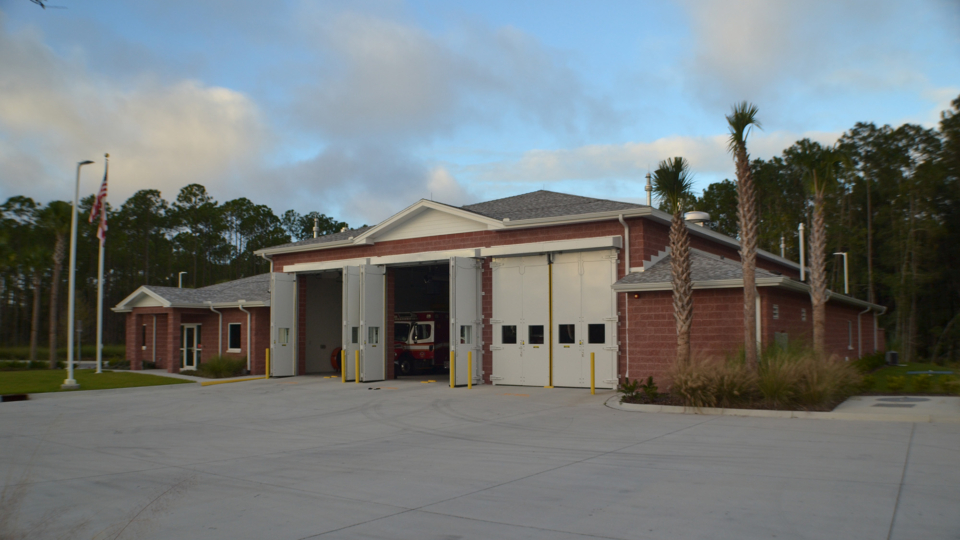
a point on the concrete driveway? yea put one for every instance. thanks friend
(309, 457)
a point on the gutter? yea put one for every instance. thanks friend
(780, 281)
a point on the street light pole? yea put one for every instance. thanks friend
(70, 383)
(180, 280)
(846, 272)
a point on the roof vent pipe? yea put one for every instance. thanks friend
(316, 227)
(697, 218)
(649, 190)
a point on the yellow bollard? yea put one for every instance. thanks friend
(356, 372)
(593, 375)
(469, 370)
(266, 374)
(453, 369)
(343, 365)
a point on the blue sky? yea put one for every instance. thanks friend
(358, 109)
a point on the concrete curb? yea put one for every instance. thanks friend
(226, 381)
(614, 403)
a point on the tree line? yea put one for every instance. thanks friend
(887, 196)
(149, 242)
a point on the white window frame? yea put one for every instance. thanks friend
(240, 348)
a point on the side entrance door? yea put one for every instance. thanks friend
(283, 305)
(373, 357)
(465, 317)
(189, 337)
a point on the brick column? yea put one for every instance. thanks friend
(173, 357)
(132, 344)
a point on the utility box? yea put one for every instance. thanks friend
(893, 358)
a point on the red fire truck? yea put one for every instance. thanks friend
(421, 342)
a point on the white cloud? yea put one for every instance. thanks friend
(707, 156)
(55, 112)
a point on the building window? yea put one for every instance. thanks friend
(776, 312)
(466, 334)
(596, 333)
(803, 314)
(373, 335)
(233, 337)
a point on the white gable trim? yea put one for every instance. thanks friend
(125, 304)
(398, 219)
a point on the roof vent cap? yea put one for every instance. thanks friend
(696, 217)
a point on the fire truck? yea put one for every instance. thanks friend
(421, 342)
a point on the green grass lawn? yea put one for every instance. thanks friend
(882, 378)
(37, 381)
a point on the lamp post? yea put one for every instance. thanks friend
(180, 280)
(70, 383)
(846, 273)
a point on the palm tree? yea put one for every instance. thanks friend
(820, 169)
(55, 218)
(741, 119)
(673, 183)
(34, 258)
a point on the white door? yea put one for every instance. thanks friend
(351, 320)
(283, 305)
(521, 314)
(584, 318)
(373, 358)
(190, 354)
(465, 317)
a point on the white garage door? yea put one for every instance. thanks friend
(373, 366)
(584, 318)
(465, 317)
(521, 319)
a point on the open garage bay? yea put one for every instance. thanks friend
(309, 457)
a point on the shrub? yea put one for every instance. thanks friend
(868, 383)
(870, 362)
(629, 389)
(949, 384)
(219, 367)
(896, 383)
(650, 389)
(922, 383)
(795, 377)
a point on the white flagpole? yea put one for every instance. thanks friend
(103, 208)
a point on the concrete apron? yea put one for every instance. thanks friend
(922, 409)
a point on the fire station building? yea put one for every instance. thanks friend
(528, 287)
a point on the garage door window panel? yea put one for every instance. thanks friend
(536, 334)
(596, 333)
(567, 333)
(509, 334)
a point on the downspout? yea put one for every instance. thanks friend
(626, 297)
(240, 305)
(219, 331)
(802, 268)
(154, 341)
(860, 334)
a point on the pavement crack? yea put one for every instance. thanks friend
(903, 477)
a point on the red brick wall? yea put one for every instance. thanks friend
(652, 340)
(261, 339)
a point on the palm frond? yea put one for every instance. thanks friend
(741, 119)
(673, 183)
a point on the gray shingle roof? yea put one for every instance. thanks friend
(545, 204)
(345, 235)
(251, 289)
(703, 267)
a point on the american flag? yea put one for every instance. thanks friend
(99, 208)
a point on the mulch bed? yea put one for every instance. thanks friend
(667, 399)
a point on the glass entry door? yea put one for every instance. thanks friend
(190, 338)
